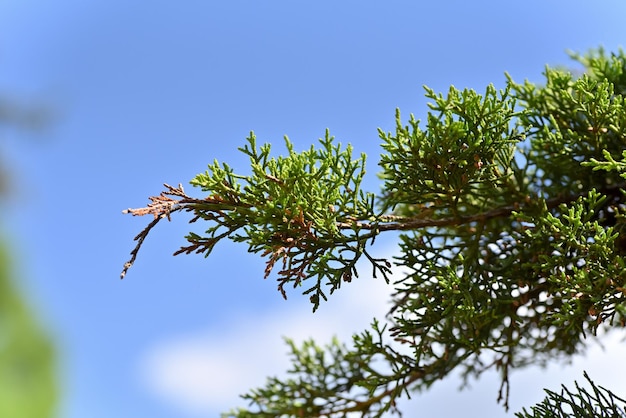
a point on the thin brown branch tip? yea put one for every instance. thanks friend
(160, 207)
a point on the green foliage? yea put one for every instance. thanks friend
(452, 167)
(601, 403)
(323, 378)
(510, 207)
(301, 211)
(27, 383)
(28, 388)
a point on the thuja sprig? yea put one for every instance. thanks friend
(581, 402)
(333, 381)
(453, 166)
(292, 209)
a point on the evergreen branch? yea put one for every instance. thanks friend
(400, 223)
(163, 206)
(512, 212)
(361, 406)
(600, 403)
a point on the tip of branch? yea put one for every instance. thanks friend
(127, 265)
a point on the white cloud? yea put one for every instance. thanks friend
(203, 374)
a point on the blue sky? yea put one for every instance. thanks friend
(150, 92)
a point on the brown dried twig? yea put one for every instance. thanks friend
(161, 206)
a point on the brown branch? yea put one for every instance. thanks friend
(160, 207)
(140, 238)
(175, 199)
(404, 223)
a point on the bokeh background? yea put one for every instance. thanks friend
(134, 94)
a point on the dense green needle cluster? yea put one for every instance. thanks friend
(510, 206)
(599, 403)
(301, 211)
(451, 168)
